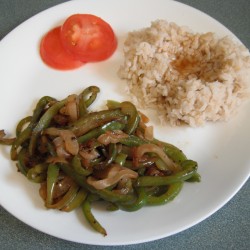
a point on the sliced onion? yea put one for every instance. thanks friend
(56, 159)
(69, 141)
(139, 133)
(149, 133)
(89, 154)
(152, 148)
(43, 190)
(62, 186)
(60, 151)
(113, 136)
(71, 108)
(154, 171)
(115, 174)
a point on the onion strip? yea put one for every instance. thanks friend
(152, 148)
(116, 173)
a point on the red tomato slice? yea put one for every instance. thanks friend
(54, 54)
(88, 37)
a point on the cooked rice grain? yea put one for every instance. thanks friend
(188, 77)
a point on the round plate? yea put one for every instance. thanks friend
(221, 149)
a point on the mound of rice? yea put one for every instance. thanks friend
(188, 77)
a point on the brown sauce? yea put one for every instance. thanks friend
(205, 70)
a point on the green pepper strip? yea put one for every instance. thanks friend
(161, 164)
(133, 141)
(137, 203)
(195, 178)
(105, 194)
(172, 191)
(129, 164)
(21, 124)
(86, 208)
(66, 199)
(43, 123)
(171, 151)
(21, 164)
(111, 104)
(52, 175)
(112, 207)
(38, 173)
(114, 125)
(129, 109)
(120, 159)
(112, 149)
(77, 166)
(26, 133)
(76, 201)
(94, 120)
(83, 103)
(42, 103)
(23, 136)
(189, 169)
(127, 151)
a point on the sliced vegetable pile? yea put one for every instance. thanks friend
(82, 38)
(79, 156)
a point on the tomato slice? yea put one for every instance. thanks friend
(53, 53)
(88, 37)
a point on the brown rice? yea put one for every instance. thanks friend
(188, 77)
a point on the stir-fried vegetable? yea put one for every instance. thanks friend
(80, 157)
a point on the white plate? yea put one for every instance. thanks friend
(221, 149)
